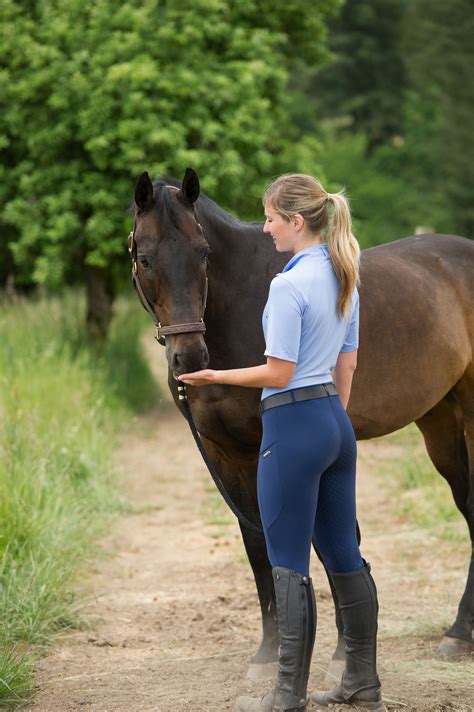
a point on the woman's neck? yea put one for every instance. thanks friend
(307, 240)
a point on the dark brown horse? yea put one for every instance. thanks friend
(415, 357)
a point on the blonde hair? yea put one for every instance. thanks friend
(298, 193)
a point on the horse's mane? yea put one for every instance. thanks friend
(206, 207)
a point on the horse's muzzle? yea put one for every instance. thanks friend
(186, 354)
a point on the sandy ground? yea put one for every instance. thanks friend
(172, 607)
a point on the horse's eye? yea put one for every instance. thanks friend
(145, 261)
(204, 253)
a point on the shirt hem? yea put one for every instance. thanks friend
(286, 357)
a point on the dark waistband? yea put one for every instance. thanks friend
(296, 395)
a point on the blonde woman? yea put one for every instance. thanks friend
(307, 461)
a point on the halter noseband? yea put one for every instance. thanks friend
(162, 331)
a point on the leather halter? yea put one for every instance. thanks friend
(162, 331)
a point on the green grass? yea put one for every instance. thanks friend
(215, 510)
(16, 677)
(424, 495)
(63, 404)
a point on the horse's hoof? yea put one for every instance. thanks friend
(334, 673)
(454, 649)
(262, 671)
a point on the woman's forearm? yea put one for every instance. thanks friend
(276, 373)
(254, 377)
(343, 382)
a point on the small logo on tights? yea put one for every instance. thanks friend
(266, 453)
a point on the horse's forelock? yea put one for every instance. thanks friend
(164, 206)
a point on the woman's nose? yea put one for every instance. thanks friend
(266, 228)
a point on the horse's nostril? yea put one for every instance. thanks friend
(205, 357)
(187, 360)
(175, 363)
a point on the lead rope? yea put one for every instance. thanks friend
(183, 398)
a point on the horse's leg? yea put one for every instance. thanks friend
(462, 629)
(263, 663)
(448, 430)
(238, 474)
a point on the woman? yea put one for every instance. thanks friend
(306, 471)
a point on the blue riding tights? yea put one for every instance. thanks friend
(306, 485)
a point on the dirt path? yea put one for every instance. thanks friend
(173, 608)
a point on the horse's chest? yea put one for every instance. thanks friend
(229, 421)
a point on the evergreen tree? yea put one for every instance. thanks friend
(439, 49)
(362, 87)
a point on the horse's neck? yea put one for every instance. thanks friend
(241, 265)
(237, 251)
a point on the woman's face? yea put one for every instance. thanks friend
(281, 229)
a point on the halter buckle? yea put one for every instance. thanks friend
(161, 339)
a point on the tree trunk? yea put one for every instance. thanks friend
(100, 297)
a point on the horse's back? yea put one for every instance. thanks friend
(416, 333)
(435, 253)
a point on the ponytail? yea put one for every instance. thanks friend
(344, 251)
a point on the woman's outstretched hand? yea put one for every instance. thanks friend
(199, 378)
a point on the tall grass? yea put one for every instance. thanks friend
(62, 406)
(423, 494)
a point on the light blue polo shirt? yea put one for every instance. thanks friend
(300, 323)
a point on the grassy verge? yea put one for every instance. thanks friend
(423, 494)
(62, 406)
(215, 511)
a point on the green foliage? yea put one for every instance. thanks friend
(127, 373)
(363, 84)
(390, 195)
(440, 52)
(398, 98)
(94, 93)
(424, 496)
(60, 416)
(16, 684)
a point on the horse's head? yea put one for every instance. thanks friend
(169, 255)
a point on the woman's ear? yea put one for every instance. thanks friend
(297, 221)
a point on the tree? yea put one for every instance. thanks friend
(94, 93)
(362, 87)
(440, 54)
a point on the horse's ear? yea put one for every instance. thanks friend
(190, 186)
(143, 191)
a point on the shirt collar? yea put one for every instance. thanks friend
(311, 250)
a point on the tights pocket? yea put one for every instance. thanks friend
(269, 489)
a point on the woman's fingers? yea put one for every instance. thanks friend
(197, 378)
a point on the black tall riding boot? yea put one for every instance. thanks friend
(296, 610)
(358, 603)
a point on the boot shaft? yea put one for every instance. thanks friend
(357, 596)
(296, 609)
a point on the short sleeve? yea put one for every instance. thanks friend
(351, 339)
(284, 314)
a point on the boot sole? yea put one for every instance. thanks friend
(373, 706)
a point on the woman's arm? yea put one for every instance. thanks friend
(276, 373)
(343, 374)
